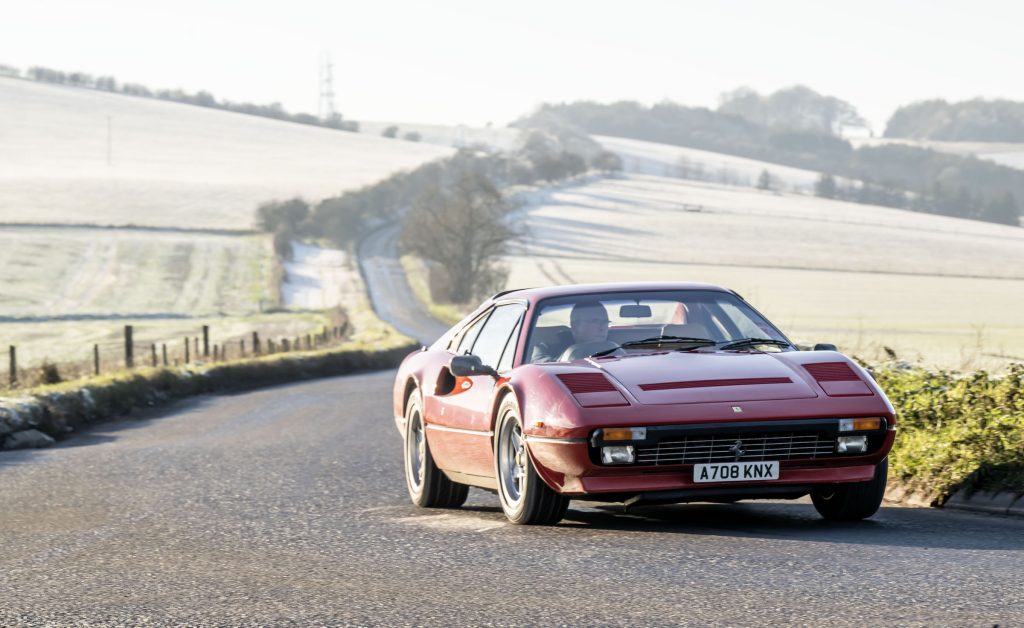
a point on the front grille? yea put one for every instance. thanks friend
(701, 448)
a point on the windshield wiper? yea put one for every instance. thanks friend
(658, 340)
(752, 342)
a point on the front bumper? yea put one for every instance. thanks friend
(571, 466)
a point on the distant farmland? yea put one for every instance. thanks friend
(191, 178)
(945, 290)
(62, 272)
(171, 164)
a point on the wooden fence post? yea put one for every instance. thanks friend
(153, 348)
(163, 349)
(96, 359)
(284, 344)
(14, 367)
(255, 343)
(241, 348)
(186, 350)
(129, 349)
(215, 356)
(206, 341)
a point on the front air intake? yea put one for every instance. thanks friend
(837, 379)
(832, 372)
(592, 390)
(586, 383)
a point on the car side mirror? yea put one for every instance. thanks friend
(824, 346)
(470, 365)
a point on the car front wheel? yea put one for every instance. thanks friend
(852, 502)
(428, 486)
(525, 498)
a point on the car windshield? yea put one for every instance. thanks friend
(573, 327)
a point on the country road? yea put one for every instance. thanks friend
(390, 294)
(288, 506)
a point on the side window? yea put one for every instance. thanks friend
(492, 339)
(469, 336)
(510, 349)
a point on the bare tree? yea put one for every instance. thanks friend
(464, 229)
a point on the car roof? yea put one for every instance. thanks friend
(536, 294)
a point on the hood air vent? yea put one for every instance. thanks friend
(832, 372)
(592, 390)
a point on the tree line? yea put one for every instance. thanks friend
(975, 120)
(200, 98)
(908, 177)
(453, 211)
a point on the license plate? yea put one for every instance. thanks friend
(735, 471)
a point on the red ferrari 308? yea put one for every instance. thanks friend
(638, 393)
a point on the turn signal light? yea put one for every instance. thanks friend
(623, 433)
(860, 424)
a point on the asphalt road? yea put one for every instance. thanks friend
(288, 505)
(389, 290)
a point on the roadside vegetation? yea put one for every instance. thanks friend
(59, 409)
(956, 430)
(418, 275)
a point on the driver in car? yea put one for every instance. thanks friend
(588, 323)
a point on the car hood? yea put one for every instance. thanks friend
(697, 377)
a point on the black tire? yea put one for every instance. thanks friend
(524, 497)
(852, 502)
(428, 486)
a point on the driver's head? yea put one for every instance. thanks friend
(589, 322)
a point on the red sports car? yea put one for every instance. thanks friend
(639, 393)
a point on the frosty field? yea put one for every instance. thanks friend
(75, 272)
(666, 160)
(945, 290)
(171, 164)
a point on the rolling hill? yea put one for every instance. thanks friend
(171, 165)
(946, 290)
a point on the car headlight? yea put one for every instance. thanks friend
(852, 444)
(618, 454)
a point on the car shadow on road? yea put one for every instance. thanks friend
(891, 526)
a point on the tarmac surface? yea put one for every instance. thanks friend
(288, 506)
(390, 294)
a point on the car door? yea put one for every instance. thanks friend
(459, 432)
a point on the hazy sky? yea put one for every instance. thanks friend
(477, 61)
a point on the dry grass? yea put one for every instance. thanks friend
(417, 275)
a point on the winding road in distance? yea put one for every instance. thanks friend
(288, 506)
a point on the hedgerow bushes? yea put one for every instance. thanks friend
(957, 430)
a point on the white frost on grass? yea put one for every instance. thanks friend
(947, 290)
(171, 164)
(646, 218)
(666, 160)
(319, 278)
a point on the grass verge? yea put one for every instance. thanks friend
(60, 409)
(417, 274)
